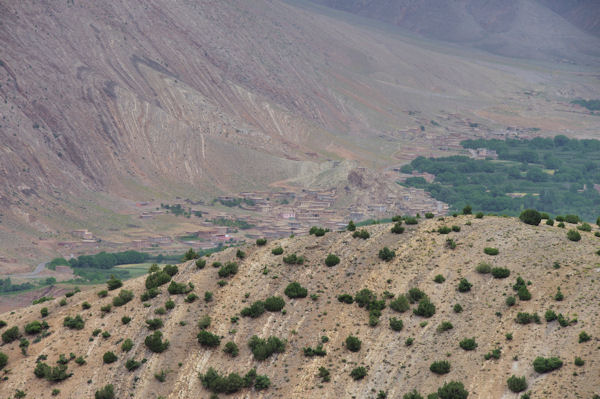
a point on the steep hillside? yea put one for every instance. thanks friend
(546, 29)
(543, 256)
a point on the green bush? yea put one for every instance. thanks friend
(113, 283)
(468, 344)
(550, 315)
(500, 272)
(262, 349)
(483, 268)
(216, 265)
(457, 308)
(578, 362)
(526, 318)
(332, 260)
(201, 263)
(452, 390)
(190, 254)
(444, 230)
(573, 235)
(293, 259)
(358, 373)
(318, 351)
(491, 251)
(425, 308)
(295, 290)
(262, 382)
(411, 220)
(345, 298)
(445, 326)
(171, 270)
(124, 297)
(412, 395)
(177, 288)
(240, 254)
(440, 367)
(364, 234)
(573, 219)
(531, 216)
(106, 392)
(317, 231)
(524, 293)
(127, 345)
(400, 304)
(517, 384)
(455, 228)
(386, 254)
(274, 303)
(230, 269)
(397, 228)
(584, 337)
(208, 339)
(125, 319)
(467, 210)
(154, 324)
(44, 312)
(157, 279)
(545, 365)
(155, 343)
(351, 226)
(324, 374)
(511, 301)
(585, 227)
(396, 324)
(559, 295)
(132, 364)
(191, 298)
(561, 225)
(3, 360)
(277, 251)
(464, 285)
(102, 293)
(149, 294)
(439, 279)
(353, 343)
(231, 349)
(34, 327)
(550, 222)
(255, 310)
(74, 323)
(204, 322)
(494, 353)
(109, 357)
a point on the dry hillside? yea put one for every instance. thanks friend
(541, 255)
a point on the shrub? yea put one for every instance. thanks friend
(262, 382)
(190, 254)
(171, 270)
(531, 216)
(457, 308)
(440, 367)
(425, 308)
(455, 228)
(262, 349)
(127, 345)
(155, 343)
(584, 337)
(510, 301)
(412, 395)
(439, 279)
(572, 219)
(573, 235)
(517, 384)
(411, 220)
(550, 222)
(124, 297)
(274, 303)
(132, 364)
(295, 290)
(386, 254)
(125, 319)
(397, 228)
(483, 268)
(177, 288)
(34, 327)
(102, 293)
(230, 269)
(204, 322)
(415, 295)
(85, 306)
(154, 324)
(578, 362)
(332, 260)
(445, 326)
(106, 308)
(149, 294)
(545, 365)
(364, 234)
(216, 265)
(559, 295)
(452, 390)
(277, 251)
(400, 304)
(450, 243)
(524, 293)
(318, 351)
(109, 357)
(494, 353)
(519, 283)
(113, 283)
(324, 374)
(468, 344)
(3, 360)
(467, 210)
(584, 227)
(208, 296)
(107, 392)
(550, 315)
(396, 324)
(429, 215)
(490, 251)
(191, 298)
(351, 226)
(293, 259)
(63, 302)
(353, 343)
(444, 230)
(231, 349)
(240, 254)
(74, 323)
(208, 339)
(358, 373)
(561, 225)
(200, 263)
(500, 272)
(526, 318)
(157, 279)
(44, 312)
(464, 285)
(345, 298)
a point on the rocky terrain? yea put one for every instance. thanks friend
(542, 256)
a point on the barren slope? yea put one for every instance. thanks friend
(527, 251)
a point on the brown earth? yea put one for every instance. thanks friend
(421, 253)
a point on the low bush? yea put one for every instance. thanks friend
(35, 327)
(584, 337)
(500, 272)
(440, 367)
(577, 362)
(262, 349)
(516, 384)
(386, 254)
(201, 263)
(353, 344)
(468, 344)
(444, 230)
(483, 268)
(550, 315)
(176, 288)
(191, 297)
(524, 293)
(240, 254)
(125, 319)
(208, 339)
(439, 279)
(295, 290)
(157, 279)
(149, 294)
(573, 235)
(109, 357)
(510, 301)
(231, 349)
(155, 343)
(425, 308)
(74, 323)
(3, 360)
(106, 392)
(154, 324)
(204, 322)
(452, 390)
(317, 231)
(464, 285)
(171, 270)
(546, 365)
(113, 283)
(274, 303)
(396, 324)
(445, 326)
(127, 345)
(358, 373)
(400, 304)
(491, 251)
(345, 298)
(124, 297)
(362, 233)
(293, 259)
(397, 228)
(255, 310)
(230, 269)
(332, 260)
(318, 351)
(277, 251)
(494, 353)
(132, 364)
(531, 216)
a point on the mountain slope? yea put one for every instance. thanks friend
(550, 30)
(422, 253)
